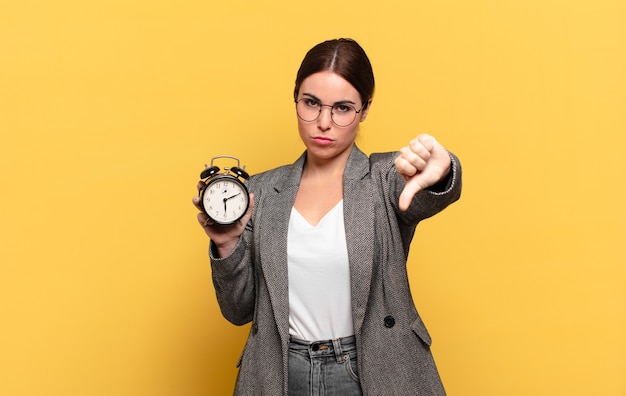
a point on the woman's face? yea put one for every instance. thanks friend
(324, 139)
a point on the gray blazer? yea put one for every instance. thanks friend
(251, 284)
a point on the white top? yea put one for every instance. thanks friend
(319, 277)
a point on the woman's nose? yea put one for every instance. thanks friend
(325, 120)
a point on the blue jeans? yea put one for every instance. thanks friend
(323, 368)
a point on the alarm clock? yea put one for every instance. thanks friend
(224, 196)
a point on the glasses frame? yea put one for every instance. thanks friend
(356, 112)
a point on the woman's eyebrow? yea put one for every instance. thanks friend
(345, 101)
(311, 96)
(348, 101)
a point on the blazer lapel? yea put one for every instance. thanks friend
(273, 232)
(359, 224)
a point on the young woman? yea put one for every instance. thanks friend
(318, 264)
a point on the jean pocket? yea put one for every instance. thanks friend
(351, 364)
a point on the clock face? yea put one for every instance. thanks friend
(225, 199)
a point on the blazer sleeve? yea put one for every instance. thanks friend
(234, 280)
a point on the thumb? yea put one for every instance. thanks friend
(413, 185)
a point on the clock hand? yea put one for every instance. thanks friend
(226, 199)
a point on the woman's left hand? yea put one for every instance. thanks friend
(422, 164)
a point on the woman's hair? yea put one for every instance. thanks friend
(344, 57)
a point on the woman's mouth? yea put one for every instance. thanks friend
(321, 140)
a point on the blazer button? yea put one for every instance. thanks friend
(389, 321)
(255, 328)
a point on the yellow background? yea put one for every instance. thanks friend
(109, 110)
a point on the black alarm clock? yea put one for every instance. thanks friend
(224, 196)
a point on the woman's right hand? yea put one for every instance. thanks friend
(225, 237)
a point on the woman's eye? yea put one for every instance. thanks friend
(342, 108)
(312, 103)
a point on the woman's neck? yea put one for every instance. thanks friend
(328, 168)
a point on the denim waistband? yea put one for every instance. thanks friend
(346, 343)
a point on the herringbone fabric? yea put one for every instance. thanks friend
(252, 284)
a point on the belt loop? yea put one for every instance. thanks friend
(338, 350)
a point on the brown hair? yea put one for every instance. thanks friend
(342, 56)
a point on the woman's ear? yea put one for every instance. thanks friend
(366, 110)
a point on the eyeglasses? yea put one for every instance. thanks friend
(342, 114)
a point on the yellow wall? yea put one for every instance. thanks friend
(109, 110)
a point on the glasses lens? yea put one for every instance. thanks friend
(308, 109)
(343, 114)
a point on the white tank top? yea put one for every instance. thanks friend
(319, 277)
